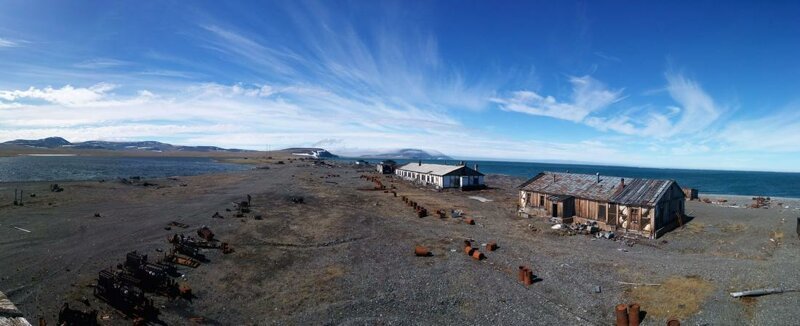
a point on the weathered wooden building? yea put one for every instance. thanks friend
(442, 176)
(646, 207)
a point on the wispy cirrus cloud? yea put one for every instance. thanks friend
(588, 96)
(101, 63)
(6, 43)
(694, 109)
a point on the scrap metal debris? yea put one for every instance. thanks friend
(68, 316)
(760, 292)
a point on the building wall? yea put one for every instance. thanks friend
(449, 181)
(421, 178)
(641, 220)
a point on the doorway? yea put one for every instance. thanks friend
(555, 210)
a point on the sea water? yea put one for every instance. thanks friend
(747, 183)
(64, 168)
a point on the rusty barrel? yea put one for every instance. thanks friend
(477, 255)
(421, 251)
(467, 243)
(469, 250)
(673, 322)
(470, 221)
(621, 311)
(521, 274)
(527, 277)
(491, 246)
(633, 314)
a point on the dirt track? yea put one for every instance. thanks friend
(345, 256)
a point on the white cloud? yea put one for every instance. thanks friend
(6, 43)
(695, 110)
(101, 63)
(67, 95)
(588, 96)
(777, 132)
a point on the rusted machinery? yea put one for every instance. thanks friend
(188, 241)
(74, 317)
(122, 292)
(184, 261)
(205, 233)
(188, 250)
(151, 277)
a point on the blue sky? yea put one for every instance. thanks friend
(688, 84)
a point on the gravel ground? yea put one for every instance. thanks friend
(345, 256)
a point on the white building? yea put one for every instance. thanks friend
(442, 176)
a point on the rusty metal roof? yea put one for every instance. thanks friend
(637, 191)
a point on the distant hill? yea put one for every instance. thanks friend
(410, 154)
(152, 146)
(49, 142)
(311, 151)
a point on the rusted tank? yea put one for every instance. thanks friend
(477, 255)
(469, 221)
(491, 246)
(521, 274)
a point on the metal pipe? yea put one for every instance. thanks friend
(756, 292)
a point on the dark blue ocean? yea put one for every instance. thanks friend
(64, 168)
(775, 184)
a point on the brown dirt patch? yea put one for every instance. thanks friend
(678, 296)
(734, 228)
(695, 228)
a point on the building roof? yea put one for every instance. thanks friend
(439, 169)
(637, 191)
